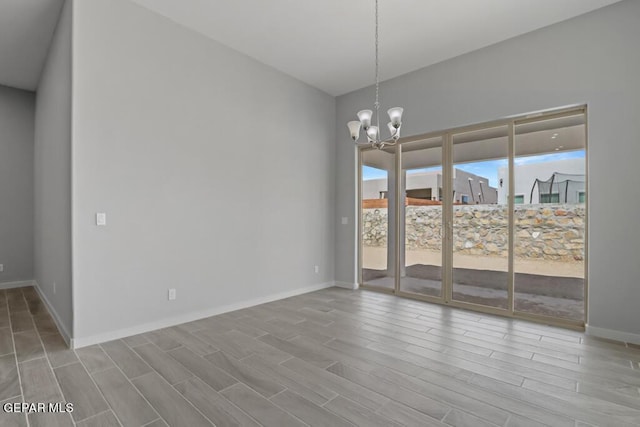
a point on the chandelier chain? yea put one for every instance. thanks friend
(377, 104)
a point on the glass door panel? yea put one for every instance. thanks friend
(378, 218)
(549, 217)
(480, 217)
(421, 215)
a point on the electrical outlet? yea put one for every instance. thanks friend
(1, 268)
(317, 269)
(172, 294)
(54, 287)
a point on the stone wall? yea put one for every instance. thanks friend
(549, 231)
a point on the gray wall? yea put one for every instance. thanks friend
(216, 173)
(53, 175)
(17, 109)
(591, 59)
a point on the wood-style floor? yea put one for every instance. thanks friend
(329, 358)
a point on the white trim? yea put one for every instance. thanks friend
(54, 314)
(346, 285)
(612, 334)
(190, 317)
(20, 284)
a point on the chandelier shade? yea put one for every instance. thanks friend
(354, 129)
(372, 133)
(395, 114)
(365, 118)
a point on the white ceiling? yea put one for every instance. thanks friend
(329, 43)
(325, 43)
(26, 27)
(532, 139)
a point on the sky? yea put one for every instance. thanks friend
(487, 169)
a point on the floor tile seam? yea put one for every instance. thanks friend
(15, 354)
(130, 383)
(96, 386)
(542, 407)
(177, 391)
(222, 397)
(443, 402)
(97, 415)
(494, 393)
(53, 373)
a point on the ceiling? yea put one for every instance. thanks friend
(325, 43)
(531, 139)
(529, 144)
(26, 28)
(329, 43)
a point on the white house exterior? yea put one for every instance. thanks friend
(468, 188)
(525, 176)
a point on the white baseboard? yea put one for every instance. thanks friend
(20, 284)
(56, 318)
(347, 285)
(190, 317)
(613, 334)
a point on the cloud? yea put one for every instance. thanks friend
(550, 157)
(487, 168)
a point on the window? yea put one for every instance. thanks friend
(503, 183)
(550, 198)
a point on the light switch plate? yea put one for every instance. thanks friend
(345, 220)
(101, 219)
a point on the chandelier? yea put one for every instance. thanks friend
(365, 116)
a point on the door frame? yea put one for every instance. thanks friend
(447, 209)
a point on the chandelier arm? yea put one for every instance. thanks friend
(364, 143)
(392, 137)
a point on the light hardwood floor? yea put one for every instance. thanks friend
(329, 358)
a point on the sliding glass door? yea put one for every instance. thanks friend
(550, 194)
(421, 218)
(488, 217)
(378, 202)
(480, 220)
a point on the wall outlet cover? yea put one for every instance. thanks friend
(101, 219)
